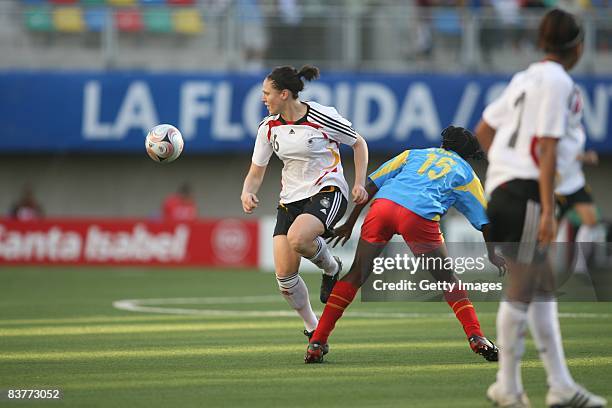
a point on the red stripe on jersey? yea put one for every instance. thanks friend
(334, 170)
(578, 103)
(271, 124)
(533, 150)
(320, 178)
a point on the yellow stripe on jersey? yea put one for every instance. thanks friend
(392, 165)
(475, 188)
(336, 159)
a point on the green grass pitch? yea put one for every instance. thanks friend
(59, 329)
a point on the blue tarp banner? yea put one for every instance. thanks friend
(112, 111)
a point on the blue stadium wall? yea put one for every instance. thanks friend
(78, 137)
(95, 112)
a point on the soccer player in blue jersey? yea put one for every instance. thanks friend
(411, 193)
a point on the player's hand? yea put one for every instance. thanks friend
(499, 262)
(590, 157)
(360, 195)
(341, 234)
(547, 230)
(249, 202)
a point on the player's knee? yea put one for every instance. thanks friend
(587, 213)
(589, 219)
(299, 241)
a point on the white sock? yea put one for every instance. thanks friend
(511, 331)
(587, 239)
(323, 258)
(587, 233)
(544, 325)
(295, 292)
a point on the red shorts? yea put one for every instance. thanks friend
(387, 218)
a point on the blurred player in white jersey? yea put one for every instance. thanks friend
(523, 132)
(306, 136)
(573, 193)
(572, 190)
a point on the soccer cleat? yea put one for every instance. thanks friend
(484, 347)
(314, 353)
(324, 347)
(328, 282)
(574, 397)
(502, 400)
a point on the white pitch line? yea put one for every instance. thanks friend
(134, 306)
(148, 306)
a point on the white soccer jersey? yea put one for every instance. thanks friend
(308, 148)
(569, 168)
(541, 101)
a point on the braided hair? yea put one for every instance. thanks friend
(462, 142)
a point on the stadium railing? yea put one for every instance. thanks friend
(238, 35)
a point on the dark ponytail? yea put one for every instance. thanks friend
(309, 72)
(559, 32)
(287, 77)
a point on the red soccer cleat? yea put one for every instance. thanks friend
(315, 353)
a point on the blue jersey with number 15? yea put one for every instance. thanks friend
(430, 181)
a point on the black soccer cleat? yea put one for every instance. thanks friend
(484, 347)
(328, 282)
(314, 353)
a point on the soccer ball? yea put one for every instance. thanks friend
(164, 143)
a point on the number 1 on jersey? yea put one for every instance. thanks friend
(520, 103)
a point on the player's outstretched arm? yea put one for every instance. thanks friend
(343, 232)
(360, 154)
(548, 166)
(495, 259)
(252, 182)
(485, 134)
(590, 157)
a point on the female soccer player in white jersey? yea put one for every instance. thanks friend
(306, 136)
(523, 132)
(572, 192)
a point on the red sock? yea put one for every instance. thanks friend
(342, 296)
(464, 310)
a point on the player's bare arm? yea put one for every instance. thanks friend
(494, 258)
(252, 182)
(548, 165)
(590, 157)
(485, 134)
(343, 232)
(360, 154)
